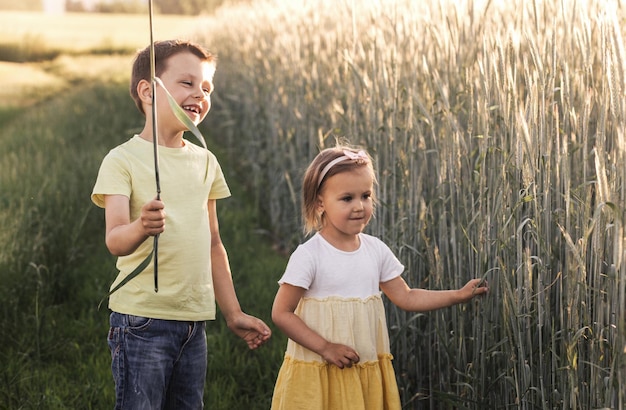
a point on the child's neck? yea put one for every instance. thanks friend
(343, 242)
(165, 139)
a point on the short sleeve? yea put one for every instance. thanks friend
(390, 266)
(300, 269)
(113, 178)
(219, 187)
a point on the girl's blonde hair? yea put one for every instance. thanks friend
(328, 162)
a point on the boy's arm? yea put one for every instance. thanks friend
(253, 330)
(423, 300)
(124, 236)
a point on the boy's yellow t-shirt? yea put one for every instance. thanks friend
(189, 177)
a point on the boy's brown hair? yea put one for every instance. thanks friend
(162, 51)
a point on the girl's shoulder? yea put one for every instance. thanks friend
(370, 240)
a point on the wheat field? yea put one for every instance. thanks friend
(497, 129)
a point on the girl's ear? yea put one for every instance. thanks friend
(319, 207)
(144, 91)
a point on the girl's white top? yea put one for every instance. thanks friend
(324, 270)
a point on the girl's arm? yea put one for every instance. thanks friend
(287, 298)
(123, 237)
(423, 300)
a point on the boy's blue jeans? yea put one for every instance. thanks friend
(157, 364)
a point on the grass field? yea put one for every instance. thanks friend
(498, 131)
(85, 32)
(73, 47)
(58, 118)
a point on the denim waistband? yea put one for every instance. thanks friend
(117, 319)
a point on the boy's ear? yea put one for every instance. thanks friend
(144, 91)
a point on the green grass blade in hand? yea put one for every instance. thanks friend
(180, 114)
(143, 265)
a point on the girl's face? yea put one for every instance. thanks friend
(190, 82)
(346, 200)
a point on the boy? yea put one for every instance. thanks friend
(157, 339)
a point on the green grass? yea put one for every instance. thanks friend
(54, 267)
(500, 154)
(52, 264)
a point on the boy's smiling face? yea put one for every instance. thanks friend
(189, 80)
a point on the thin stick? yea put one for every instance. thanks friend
(155, 144)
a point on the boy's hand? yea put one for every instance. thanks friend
(153, 217)
(251, 329)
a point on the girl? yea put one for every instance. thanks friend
(329, 302)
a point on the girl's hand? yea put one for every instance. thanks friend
(339, 355)
(474, 287)
(285, 303)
